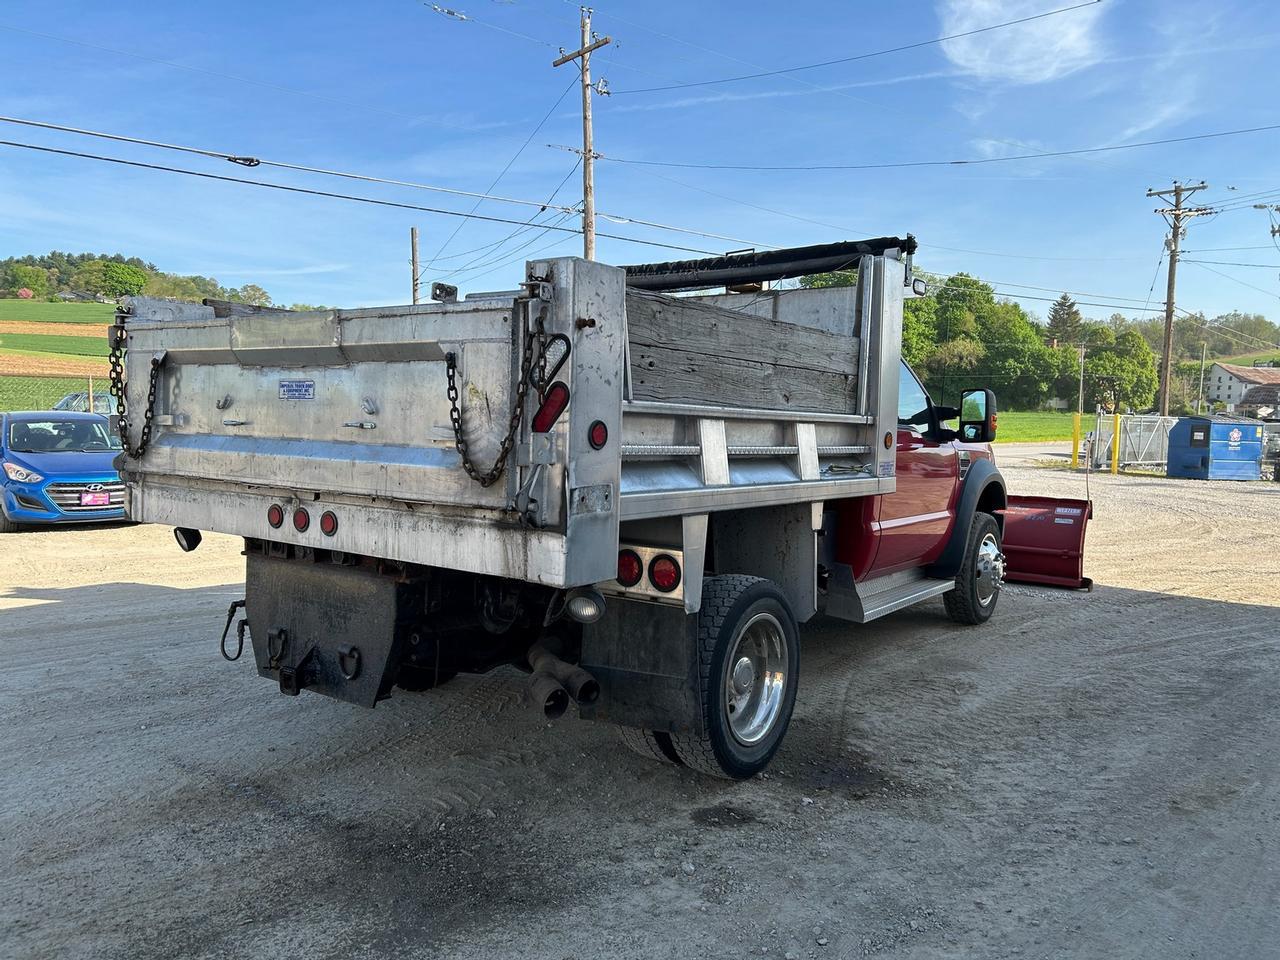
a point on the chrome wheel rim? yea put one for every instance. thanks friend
(755, 679)
(989, 569)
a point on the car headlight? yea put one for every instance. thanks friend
(21, 474)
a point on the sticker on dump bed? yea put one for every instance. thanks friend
(297, 389)
(886, 469)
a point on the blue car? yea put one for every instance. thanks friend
(57, 469)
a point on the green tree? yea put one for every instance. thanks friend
(1123, 372)
(253, 294)
(89, 276)
(20, 276)
(123, 280)
(1064, 321)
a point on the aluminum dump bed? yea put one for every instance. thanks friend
(677, 406)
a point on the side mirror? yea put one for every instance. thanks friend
(977, 416)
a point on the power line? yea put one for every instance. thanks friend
(502, 173)
(254, 161)
(860, 56)
(1262, 246)
(849, 230)
(1190, 318)
(977, 161)
(248, 161)
(1227, 276)
(337, 196)
(1229, 263)
(530, 224)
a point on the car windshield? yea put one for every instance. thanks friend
(61, 436)
(80, 402)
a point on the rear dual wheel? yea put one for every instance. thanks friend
(748, 666)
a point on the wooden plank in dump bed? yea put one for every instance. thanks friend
(684, 351)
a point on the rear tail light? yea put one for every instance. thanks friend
(598, 435)
(553, 405)
(630, 568)
(301, 520)
(275, 515)
(664, 573)
(328, 523)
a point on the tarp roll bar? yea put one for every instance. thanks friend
(739, 268)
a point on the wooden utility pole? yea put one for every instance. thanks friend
(1175, 216)
(583, 54)
(413, 247)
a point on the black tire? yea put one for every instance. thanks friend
(730, 604)
(650, 744)
(7, 525)
(966, 603)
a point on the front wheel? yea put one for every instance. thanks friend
(7, 525)
(748, 667)
(978, 583)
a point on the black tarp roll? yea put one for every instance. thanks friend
(740, 268)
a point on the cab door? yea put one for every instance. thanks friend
(914, 522)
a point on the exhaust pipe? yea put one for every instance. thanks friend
(582, 686)
(546, 694)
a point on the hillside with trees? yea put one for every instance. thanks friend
(108, 276)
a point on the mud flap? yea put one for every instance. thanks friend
(645, 657)
(1043, 541)
(332, 629)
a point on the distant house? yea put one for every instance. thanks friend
(1261, 401)
(1227, 383)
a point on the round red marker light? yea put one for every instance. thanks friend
(664, 573)
(301, 520)
(328, 523)
(275, 515)
(630, 568)
(598, 435)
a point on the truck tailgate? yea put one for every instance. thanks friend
(349, 402)
(348, 411)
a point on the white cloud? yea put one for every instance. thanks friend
(1034, 52)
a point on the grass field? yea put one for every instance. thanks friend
(1033, 425)
(1247, 359)
(39, 343)
(41, 393)
(58, 312)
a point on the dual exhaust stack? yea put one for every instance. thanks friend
(554, 682)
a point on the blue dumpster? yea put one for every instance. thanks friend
(1216, 448)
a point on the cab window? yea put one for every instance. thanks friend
(913, 402)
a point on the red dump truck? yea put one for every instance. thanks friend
(633, 483)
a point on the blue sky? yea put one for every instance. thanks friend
(393, 89)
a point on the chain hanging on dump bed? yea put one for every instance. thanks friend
(489, 477)
(116, 359)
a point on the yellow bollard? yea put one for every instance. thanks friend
(1115, 444)
(1075, 440)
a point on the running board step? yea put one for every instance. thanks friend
(871, 599)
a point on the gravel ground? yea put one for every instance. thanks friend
(1089, 775)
